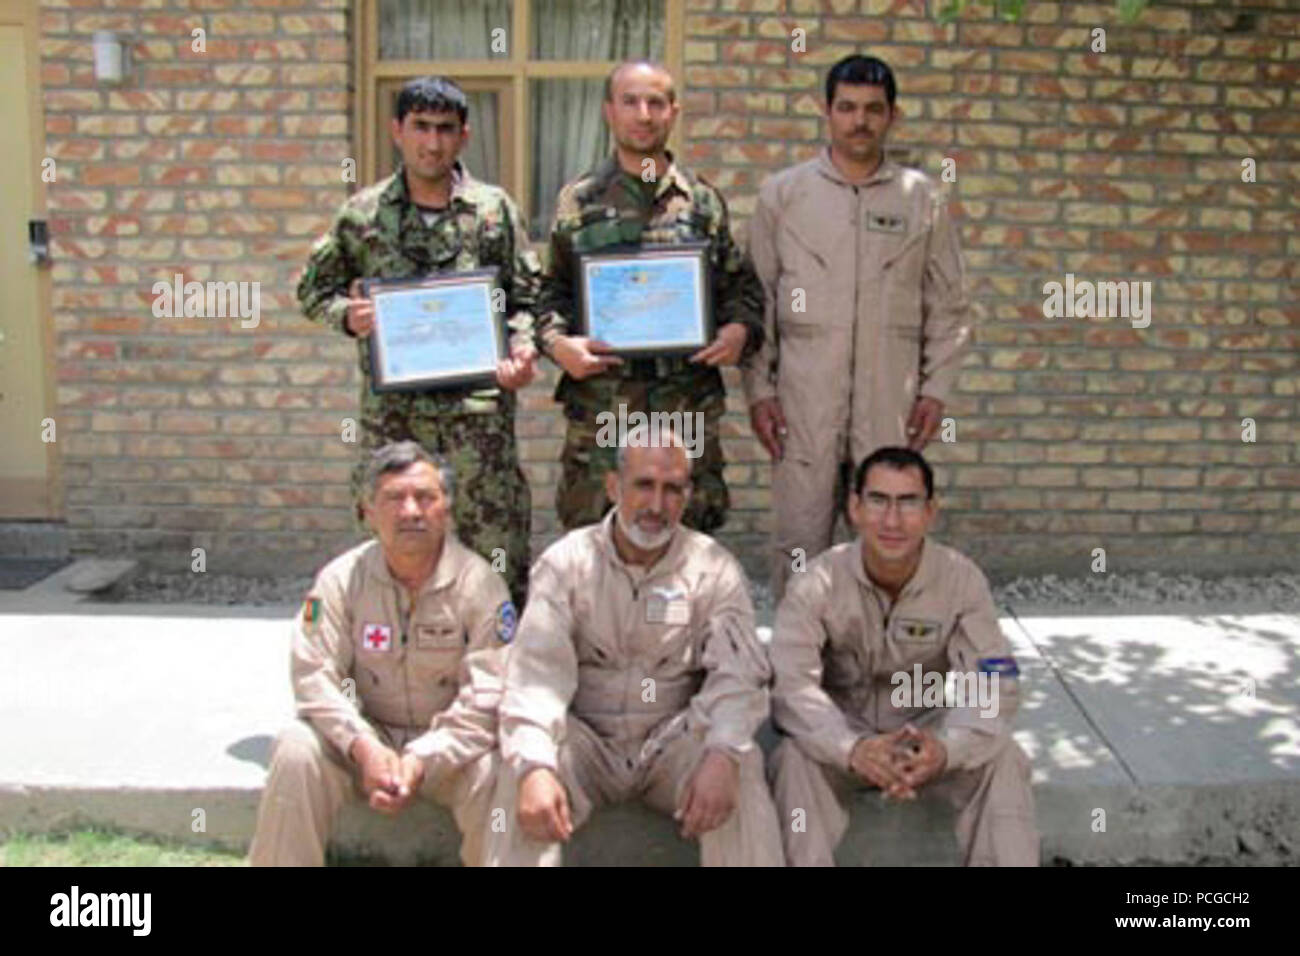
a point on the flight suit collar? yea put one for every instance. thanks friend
(918, 582)
(667, 561)
(448, 569)
(885, 172)
(609, 171)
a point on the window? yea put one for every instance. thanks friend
(535, 119)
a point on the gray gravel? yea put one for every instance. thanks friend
(1151, 591)
(157, 587)
(1110, 593)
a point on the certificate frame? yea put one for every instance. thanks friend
(394, 298)
(689, 260)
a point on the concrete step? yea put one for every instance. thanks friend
(134, 716)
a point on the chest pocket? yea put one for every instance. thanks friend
(439, 636)
(668, 622)
(491, 241)
(602, 227)
(902, 269)
(687, 225)
(445, 241)
(917, 639)
(383, 255)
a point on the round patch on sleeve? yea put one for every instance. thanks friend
(507, 619)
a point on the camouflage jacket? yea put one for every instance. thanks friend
(607, 207)
(380, 233)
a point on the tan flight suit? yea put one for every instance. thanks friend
(864, 310)
(426, 680)
(836, 647)
(623, 677)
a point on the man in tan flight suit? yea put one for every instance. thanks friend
(637, 675)
(866, 318)
(397, 660)
(852, 636)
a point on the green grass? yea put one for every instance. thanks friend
(100, 847)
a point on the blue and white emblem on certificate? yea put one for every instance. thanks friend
(654, 300)
(437, 332)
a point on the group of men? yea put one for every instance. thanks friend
(636, 670)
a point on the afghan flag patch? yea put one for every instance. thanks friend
(311, 614)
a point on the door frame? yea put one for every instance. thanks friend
(26, 14)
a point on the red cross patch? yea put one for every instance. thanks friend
(377, 637)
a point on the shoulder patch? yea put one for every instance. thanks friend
(507, 620)
(1006, 666)
(311, 614)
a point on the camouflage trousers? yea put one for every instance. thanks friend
(492, 508)
(591, 444)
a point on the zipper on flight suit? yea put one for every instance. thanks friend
(404, 617)
(632, 688)
(853, 336)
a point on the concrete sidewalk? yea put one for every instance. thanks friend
(1183, 730)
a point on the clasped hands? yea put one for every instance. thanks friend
(899, 762)
(389, 781)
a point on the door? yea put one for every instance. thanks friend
(28, 465)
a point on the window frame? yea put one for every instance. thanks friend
(509, 76)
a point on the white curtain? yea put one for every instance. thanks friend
(441, 29)
(438, 30)
(569, 133)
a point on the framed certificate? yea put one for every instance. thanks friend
(647, 300)
(436, 332)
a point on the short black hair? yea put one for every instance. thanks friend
(897, 458)
(432, 94)
(858, 70)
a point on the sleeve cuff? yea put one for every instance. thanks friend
(547, 338)
(937, 387)
(430, 749)
(345, 737)
(529, 747)
(753, 341)
(728, 744)
(843, 749)
(338, 315)
(427, 746)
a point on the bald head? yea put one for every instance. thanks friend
(644, 70)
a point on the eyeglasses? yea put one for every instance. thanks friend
(877, 505)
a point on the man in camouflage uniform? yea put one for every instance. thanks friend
(640, 195)
(432, 216)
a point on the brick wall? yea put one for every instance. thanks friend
(1071, 433)
(178, 433)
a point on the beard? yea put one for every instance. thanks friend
(642, 539)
